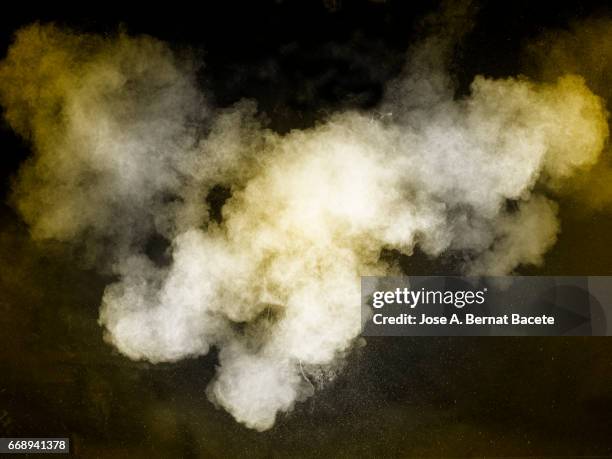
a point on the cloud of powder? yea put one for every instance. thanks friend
(585, 48)
(126, 148)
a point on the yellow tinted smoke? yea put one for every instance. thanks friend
(585, 49)
(125, 147)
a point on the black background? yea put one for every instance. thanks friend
(397, 396)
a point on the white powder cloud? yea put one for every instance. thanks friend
(125, 147)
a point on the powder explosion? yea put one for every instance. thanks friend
(126, 148)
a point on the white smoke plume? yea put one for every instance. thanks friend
(125, 147)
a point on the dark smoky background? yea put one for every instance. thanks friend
(301, 61)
